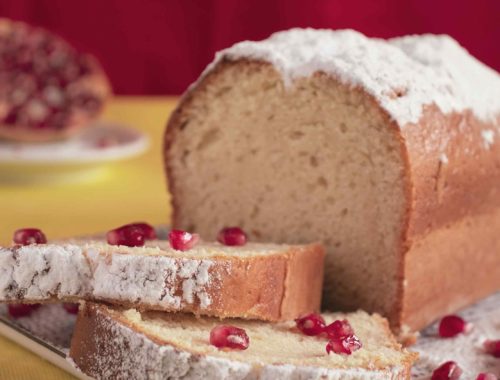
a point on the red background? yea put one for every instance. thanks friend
(159, 47)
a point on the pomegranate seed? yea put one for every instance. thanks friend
(225, 336)
(232, 236)
(486, 376)
(22, 309)
(492, 347)
(339, 329)
(447, 371)
(71, 308)
(311, 324)
(343, 346)
(27, 236)
(131, 235)
(452, 325)
(147, 229)
(182, 240)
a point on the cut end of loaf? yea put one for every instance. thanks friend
(315, 161)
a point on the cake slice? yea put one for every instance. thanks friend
(111, 342)
(261, 281)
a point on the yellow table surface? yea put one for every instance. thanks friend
(132, 190)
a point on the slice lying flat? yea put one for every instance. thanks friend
(261, 281)
(117, 343)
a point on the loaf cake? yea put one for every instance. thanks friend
(262, 281)
(48, 90)
(114, 343)
(387, 151)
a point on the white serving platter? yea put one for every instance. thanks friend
(92, 149)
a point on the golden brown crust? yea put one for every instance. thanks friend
(282, 287)
(452, 257)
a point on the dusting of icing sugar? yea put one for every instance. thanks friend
(403, 74)
(465, 349)
(443, 158)
(40, 272)
(197, 278)
(488, 136)
(152, 279)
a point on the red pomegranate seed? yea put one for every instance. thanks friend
(343, 346)
(232, 236)
(71, 308)
(182, 240)
(486, 376)
(339, 329)
(225, 336)
(21, 309)
(131, 235)
(492, 347)
(311, 324)
(27, 236)
(452, 325)
(147, 229)
(447, 371)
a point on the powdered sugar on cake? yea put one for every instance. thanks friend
(488, 136)
(157, 280)
(42, 272)
(465, 349)
(403, 74)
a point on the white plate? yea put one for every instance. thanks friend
(80, 156)
(100, 142)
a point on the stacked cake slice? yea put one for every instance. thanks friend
(186, 309)
(264, 281)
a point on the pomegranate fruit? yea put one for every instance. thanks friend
(27, 236)
(452, 325)
(226, 336)
(447, 371)
(21, 310)
(47, 88)
(232, 236)
(182, 240)
(311, 324)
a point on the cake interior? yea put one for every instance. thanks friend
(314, 161)
(274, 343)
(203, 250)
